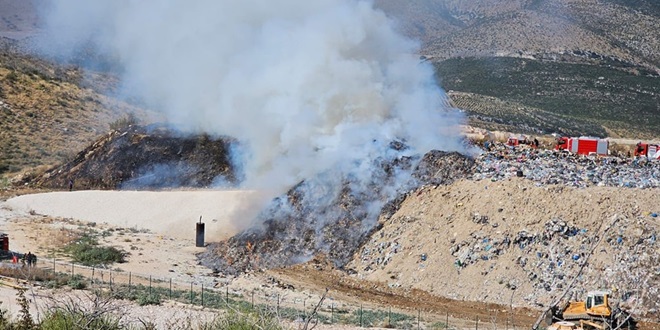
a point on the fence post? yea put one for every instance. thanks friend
(447, 321)
(149, 285)
(419, 313)
(191, 293)
(332, 313)
(252, 299)
(72, 269)
(227, 295)
(170, 288)
(110, 277)
(202, 295)
(53, 264)
(278, 306)
(389, 316)
(360, 315)
(130, 278)
(476, 325)
(92, 275)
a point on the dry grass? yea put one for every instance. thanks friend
(46, 117)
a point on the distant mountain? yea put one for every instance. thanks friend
(622, 29)
(541, 66)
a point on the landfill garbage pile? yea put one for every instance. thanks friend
(314, 219)
(521, 242)
(553, 167)
(140, 157)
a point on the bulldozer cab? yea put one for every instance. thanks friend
(597, 303)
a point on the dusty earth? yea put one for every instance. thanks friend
(429, 223)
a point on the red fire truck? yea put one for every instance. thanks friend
(583, 145)
(651, 151)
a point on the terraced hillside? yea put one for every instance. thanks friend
(495, 114)
(595, 100)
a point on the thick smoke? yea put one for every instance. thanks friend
(304, 85)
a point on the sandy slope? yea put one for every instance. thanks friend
(158, 227)
(170, 213)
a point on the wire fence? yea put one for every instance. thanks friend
(322, 308)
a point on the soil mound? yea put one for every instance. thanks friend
(514, 241)
(139, 157)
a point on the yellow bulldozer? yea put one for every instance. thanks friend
(595, 312)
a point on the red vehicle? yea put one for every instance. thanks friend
(647, 150)
(583, 145)
(514, 141)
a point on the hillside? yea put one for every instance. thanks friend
(49, 112)
(574, 99)
(448, 28)
(546, 56)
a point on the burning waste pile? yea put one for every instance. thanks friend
(324, 96)
(139, 157)
(331, 215)
(543, 233)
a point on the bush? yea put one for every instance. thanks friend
(77, 282)
(243, 321)
(148, 299)
(86, 251)
(124, 123)
(12, 76)
(78, 320)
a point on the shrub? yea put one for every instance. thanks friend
(72, 316)
(25, 321)
(148, 299)
(12, 76)
(243, 321)
(124, 123)
(77, 282)
(86, 251)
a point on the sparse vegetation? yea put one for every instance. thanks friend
(243, 321)
(124, 123)
(578, 98)
(87, 251)
(148, 299)
(12, 76)
(4, 181)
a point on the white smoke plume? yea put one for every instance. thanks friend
(305, 85)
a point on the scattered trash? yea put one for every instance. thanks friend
(543, 166)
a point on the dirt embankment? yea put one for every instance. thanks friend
(520, 243)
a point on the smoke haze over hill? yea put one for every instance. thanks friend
(305, 86)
